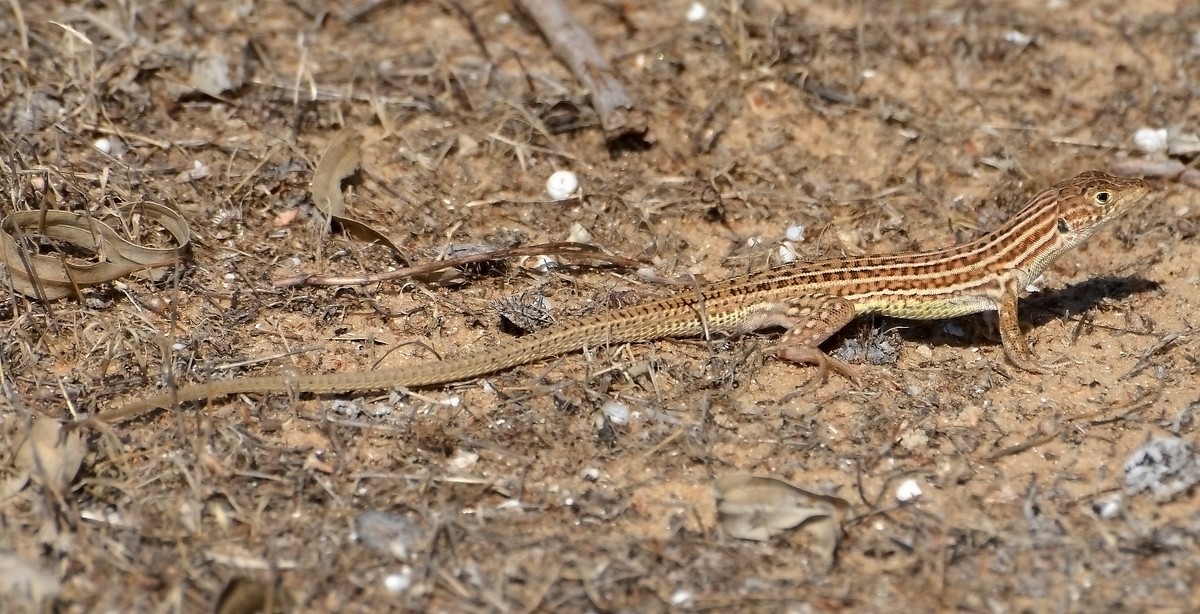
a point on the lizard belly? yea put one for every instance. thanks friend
(925, 308)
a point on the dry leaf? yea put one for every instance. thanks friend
(50, 276)
(758, 508)
(341, 159)
(49, 455)
(246, 596)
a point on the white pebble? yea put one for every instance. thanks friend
(1151, 140)
(908, 490)
(1109, 508)
(618, 413)
(696, 12)
(104, 145)
(562, 184)
(794, 234)
(398, 582)
(1018, 38)
(682, 597)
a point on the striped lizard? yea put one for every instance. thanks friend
(810, 300)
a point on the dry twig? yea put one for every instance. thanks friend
(567, 248)
(574, 45)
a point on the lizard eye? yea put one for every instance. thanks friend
(1063, 227)
(1103, 197)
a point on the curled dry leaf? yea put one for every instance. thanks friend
(49, 455)
(340, 160)
(49, 276)
(758, 508)
(246, 596)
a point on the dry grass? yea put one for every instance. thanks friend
(878, 126)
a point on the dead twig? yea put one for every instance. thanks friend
(1167, 169)
(574, 45)
(550, 249)
(1163, 343)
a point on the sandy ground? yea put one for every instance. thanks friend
(873, 126)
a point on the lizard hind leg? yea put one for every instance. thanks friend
(809, 321)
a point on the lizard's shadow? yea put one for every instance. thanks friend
(1034, 311)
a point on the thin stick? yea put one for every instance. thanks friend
(574, 45)
(563, 248)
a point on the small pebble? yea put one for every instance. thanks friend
(1151, 140)
(1018, 38)
(562, 184)
(696, 12)
(1108, 508)
(908, 491)
(398, 582)
(682, 597)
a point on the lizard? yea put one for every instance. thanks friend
(809, 300)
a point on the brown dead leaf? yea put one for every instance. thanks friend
(758, 508)
(49, 455)
(51, 276)
(247, 596)
(341, 159)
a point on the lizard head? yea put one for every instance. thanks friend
(1065, 215)
(1085, 203)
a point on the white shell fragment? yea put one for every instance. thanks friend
(562, 184)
